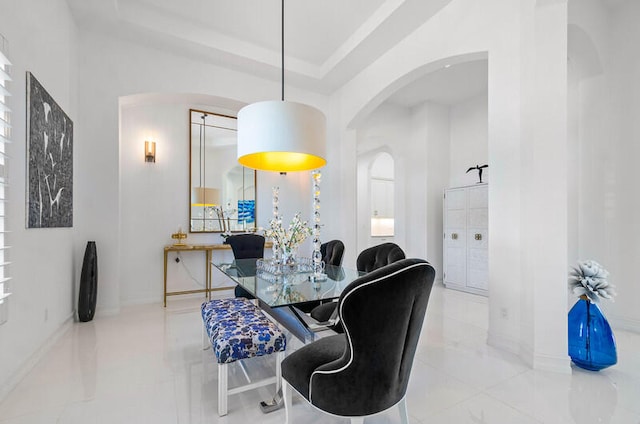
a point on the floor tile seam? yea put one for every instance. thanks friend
(630, 412)
(56, 412)
(451, 318)
(504, 380)
(12, 418)
(175, 399)
(461, 321)
(453, 406)
(74, 404)
(486, 392)
(473, 388)
(423, 355)
(412, 419)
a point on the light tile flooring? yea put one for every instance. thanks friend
(146, 365)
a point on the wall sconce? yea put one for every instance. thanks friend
(149, 151)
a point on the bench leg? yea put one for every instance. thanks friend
(279, 359)
(223, 370)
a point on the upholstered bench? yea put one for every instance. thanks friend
(237, 329)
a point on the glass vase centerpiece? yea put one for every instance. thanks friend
(592, 345)
(286, 241)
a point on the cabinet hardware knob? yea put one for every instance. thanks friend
(478, 236)
(454, 236)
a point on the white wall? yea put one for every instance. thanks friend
(154, 200)
(469, 144)
(430, 125)
(543, 183)
(515, 36)
(388, 130)
(620, 176)
(448, 139)
(111, 69)
(605, 106)
(45, 262)
(154, 196)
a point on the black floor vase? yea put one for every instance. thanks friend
(88, 284)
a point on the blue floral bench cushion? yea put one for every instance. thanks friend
(237, 330)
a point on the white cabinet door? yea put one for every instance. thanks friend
(466, 264)
(477, 259)
(455, 238)
(477, 240)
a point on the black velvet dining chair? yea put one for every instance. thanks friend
(365, 370)
(332, 252)
(368, 260)
(246, 246)
(378, 256)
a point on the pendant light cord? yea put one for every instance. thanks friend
(282, 44)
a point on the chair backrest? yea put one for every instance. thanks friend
(246, 246)
(378, 256)
(380, 343)
(332, 252)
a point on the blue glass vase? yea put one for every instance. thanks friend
(591, 342)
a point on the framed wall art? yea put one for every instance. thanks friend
(49, 160)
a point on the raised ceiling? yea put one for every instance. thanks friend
(327, 42)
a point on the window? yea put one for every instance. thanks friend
(5, 136)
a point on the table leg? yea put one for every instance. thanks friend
(165, 278)
(207, 273)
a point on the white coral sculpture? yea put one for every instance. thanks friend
(590, 279)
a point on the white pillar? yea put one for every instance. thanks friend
(545, 184)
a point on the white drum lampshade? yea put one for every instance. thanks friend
(281, 136)
(202, 196)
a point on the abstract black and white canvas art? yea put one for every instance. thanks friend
(49, 160)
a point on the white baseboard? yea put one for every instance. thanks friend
(502, 342)
(102, 311)
(31, 362)
(558, 364)
(623, 323)
(141, 301)
(555, 364)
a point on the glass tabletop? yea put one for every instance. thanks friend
(293, 288)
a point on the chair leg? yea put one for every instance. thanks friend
(404, 413)
(288, 401)
(223, 370)
(357, 420)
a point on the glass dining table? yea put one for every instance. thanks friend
(283, 295)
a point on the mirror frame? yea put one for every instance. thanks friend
(255, 179)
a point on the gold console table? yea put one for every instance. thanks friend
(207, 249)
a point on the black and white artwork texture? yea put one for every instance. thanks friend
(49, 160)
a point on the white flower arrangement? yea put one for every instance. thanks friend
(590, 279)
(288, 239)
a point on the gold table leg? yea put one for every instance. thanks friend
(165, 278)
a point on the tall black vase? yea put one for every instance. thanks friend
(88, 284)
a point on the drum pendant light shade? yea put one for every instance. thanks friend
(281, 136)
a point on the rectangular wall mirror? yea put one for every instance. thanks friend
(222, 192)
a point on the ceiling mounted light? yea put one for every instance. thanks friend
(281, 136)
